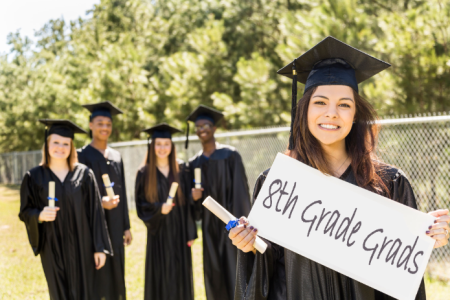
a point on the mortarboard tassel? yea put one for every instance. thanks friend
(148, 150)
(187, 136)
(46, 146)
(294, 105)
(90, 131)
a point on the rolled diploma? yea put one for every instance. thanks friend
(51, 193)
(109, 189)
(198, 178)
(173, 191)
(226, 217)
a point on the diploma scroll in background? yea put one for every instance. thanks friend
(287, 227)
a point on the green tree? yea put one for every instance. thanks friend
(157, 60)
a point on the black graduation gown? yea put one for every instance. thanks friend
(224, 179)
(110, 280)
(282, 274)
(67, 245)
(168, 263)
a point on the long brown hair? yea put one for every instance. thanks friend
(151, 190)
(360, 144)
(72, 160)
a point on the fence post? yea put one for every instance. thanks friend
(24, 166)
(14, 179)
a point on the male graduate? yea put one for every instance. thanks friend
(224, 179)
(110, 280)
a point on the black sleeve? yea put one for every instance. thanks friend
(29, 213)
(240, 198)
(126, 216)
(401, 190)
(96, 215)
(254, 272)
(185, 182)
(149, 213)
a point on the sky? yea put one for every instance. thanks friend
(31, 15)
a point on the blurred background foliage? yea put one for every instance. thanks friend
(158, 59)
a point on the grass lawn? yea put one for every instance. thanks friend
(21, 275)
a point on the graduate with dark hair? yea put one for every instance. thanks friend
(171, 228)
(333, 130)
(224, 179)
(110, 280)
(71, 237)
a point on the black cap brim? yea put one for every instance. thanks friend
(66, 123)
(365, 65)
(216, 115)
(103, 105)
(163, 127)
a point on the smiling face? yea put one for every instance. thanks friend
(331, 113)
(205, 130)
(59, 147)
(101, 128)
(163, 147)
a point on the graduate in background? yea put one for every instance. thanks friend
(334, 130)
(71, 238)
(110, 281)
(224, 179)
(171, 227)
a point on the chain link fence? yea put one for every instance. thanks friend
(419, 145)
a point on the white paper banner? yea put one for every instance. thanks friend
(365, 236)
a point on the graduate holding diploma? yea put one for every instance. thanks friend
(333, 130)
(103, 160)
(223, 178)
(164, 204)
(71, 237)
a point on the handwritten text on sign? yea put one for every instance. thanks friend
(370, 238)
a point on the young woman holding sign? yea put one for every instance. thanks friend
(162, 206)
(70, 237)
(333, 131)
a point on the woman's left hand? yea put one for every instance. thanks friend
(100, 259)
(440, 229)
(127, 238)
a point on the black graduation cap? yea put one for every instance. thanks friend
(330, 62)
(106, 109)
(203, 112)
(63, 128)
(162, 130)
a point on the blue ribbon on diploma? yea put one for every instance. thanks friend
(196, 181)
(50, 198)
(112, 184)
(232, 224)
(170, 197)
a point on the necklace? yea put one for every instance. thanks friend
(341, 166)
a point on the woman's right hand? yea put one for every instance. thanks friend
(243, 236)
(109, 204)
(99, 259)
(48, 214)
(197, 194)
(166, 208)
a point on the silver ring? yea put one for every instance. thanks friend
(446, 232)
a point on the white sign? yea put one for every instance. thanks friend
(370, 238)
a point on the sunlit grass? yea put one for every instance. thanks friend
(21, 275)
